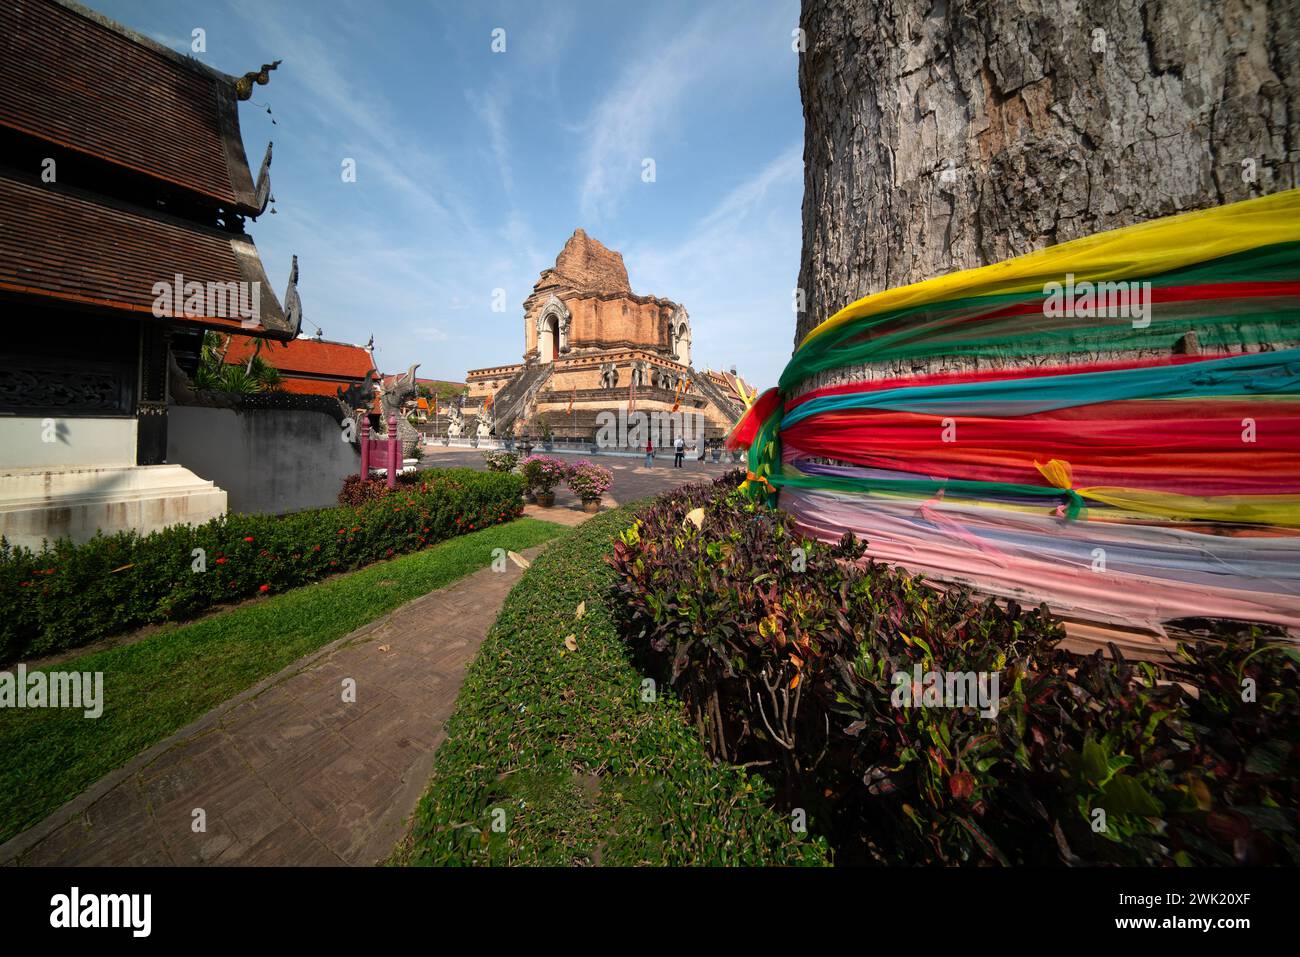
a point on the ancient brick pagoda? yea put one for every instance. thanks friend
(593, 345)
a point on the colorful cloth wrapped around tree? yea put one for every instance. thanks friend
(1120, 436)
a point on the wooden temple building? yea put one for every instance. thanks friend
(591, 345)
(124, 197)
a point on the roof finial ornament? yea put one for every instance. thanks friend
(292, 301)
(244, 85)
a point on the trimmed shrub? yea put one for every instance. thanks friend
(68, 595)
(803, 658)
(556, 729)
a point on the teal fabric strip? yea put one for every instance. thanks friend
(1262, 373)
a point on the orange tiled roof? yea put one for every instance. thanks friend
(328, 387)
(313, 357)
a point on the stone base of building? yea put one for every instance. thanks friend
(42, 503)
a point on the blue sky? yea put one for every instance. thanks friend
(474, 167)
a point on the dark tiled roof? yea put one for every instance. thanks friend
(308, 356)
(62, 246)
(76, 79)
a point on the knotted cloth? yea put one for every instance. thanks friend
(1075, 457)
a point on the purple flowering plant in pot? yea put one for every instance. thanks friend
(541, 474)
(589, 482)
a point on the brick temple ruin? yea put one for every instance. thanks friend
(592, 345)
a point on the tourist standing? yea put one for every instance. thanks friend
(649, 453)
(679, 452)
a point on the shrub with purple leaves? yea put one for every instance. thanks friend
(358, 491)
(788, 654)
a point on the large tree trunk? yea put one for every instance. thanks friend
(960, 134)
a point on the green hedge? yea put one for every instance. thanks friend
(795, 656)
(68, 595)
(164, 681)
(581, 769)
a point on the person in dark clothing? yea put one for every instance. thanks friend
(679, 452)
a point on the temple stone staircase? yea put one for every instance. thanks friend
(516, 395)
(725, 401)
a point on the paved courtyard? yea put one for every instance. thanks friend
(632, 480)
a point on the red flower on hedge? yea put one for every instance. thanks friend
(264, 588)
(221, 561)
(248, 538)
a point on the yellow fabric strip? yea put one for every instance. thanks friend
(1244, 509)
(1146, 249)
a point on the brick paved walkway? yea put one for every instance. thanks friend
(287, 773)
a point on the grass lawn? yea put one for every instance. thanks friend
(563, 745)
(170, 678)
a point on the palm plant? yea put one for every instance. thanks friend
(215, 375)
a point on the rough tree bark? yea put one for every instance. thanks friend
(945, 135)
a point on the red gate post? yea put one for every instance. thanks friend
(365, 447)
(394, 458)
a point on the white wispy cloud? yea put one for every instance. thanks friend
(490, 108)
(175, 42)
(678, 68)
(722, 270)
(621, 131)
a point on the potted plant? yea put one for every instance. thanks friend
(548, 437)
(589, 482)
(500, 460)
(541, 474)
(446, 440)
(716, 453)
